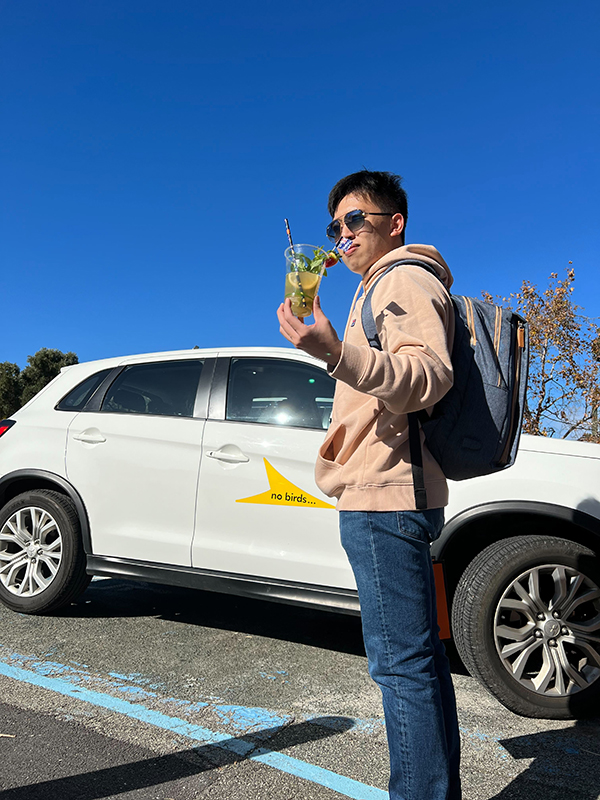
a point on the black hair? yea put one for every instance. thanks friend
(384, 188)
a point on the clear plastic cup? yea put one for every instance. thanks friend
(302, 278)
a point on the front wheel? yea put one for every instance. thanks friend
(526, 622)
(42, 563)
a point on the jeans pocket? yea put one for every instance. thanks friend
(424, 526)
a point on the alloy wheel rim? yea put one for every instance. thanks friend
(547, 630)
(31, 548)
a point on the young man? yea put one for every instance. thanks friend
(365, 463)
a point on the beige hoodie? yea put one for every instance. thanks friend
(364, 460)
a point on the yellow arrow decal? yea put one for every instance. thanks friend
(283, 493)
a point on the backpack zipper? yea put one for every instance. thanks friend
(497, 332)
(471, 320)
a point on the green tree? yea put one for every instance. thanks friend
(562, 389)
(10, 389)
(42, 368)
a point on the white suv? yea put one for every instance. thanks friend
(195, 468)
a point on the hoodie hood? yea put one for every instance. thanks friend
(422, 252)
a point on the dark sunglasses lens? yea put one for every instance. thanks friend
(354, 220)
(334, 230)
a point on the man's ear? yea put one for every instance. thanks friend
(397, 225)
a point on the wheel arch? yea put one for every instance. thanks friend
(24, 480)
(472, 530)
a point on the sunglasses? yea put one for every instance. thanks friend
(353, 220)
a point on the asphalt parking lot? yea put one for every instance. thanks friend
(141, 692)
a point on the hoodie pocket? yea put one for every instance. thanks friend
(327, 469)
(331, 447)
(328, 477)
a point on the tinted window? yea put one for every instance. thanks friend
(78, 397)
(278, 392)
(168, 389)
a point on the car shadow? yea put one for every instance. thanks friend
(113, 598)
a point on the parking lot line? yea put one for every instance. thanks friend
(280, 761)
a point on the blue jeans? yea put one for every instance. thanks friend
(389, 554)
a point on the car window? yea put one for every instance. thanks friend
(76, 399)
(167, 389)
(279, 392)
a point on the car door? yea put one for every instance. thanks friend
(259, 509)
(135, 462)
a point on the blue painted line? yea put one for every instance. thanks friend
(237, 720)
(284, 763)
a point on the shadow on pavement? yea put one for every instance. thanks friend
(122, 779)
(566, 764)
(113, 598)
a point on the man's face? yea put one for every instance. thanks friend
(377, 237)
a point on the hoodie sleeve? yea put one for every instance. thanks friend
(415, 322)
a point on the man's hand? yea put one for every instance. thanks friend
(319, 339)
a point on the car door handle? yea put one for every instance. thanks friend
(232, 458)
(89, 438)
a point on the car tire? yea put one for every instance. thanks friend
(42, 562)
(526, 623)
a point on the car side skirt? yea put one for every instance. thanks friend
(297, 594)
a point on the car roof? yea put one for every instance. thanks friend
(210, 352)
(287, 352)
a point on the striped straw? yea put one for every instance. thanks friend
(289, 235)
(295, 261)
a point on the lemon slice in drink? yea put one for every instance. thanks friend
(305, 280)
(300, 287)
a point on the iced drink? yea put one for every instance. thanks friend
(301, 287)
(304, 268)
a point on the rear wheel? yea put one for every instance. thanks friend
(526, 622)
(42, 563)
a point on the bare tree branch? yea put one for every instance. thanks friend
(563, 394)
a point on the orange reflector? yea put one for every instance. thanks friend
(442, 602)
(5, 424)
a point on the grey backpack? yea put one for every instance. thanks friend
(475, 428)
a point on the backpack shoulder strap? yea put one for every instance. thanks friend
(367, 318)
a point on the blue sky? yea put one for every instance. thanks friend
(151, 151)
